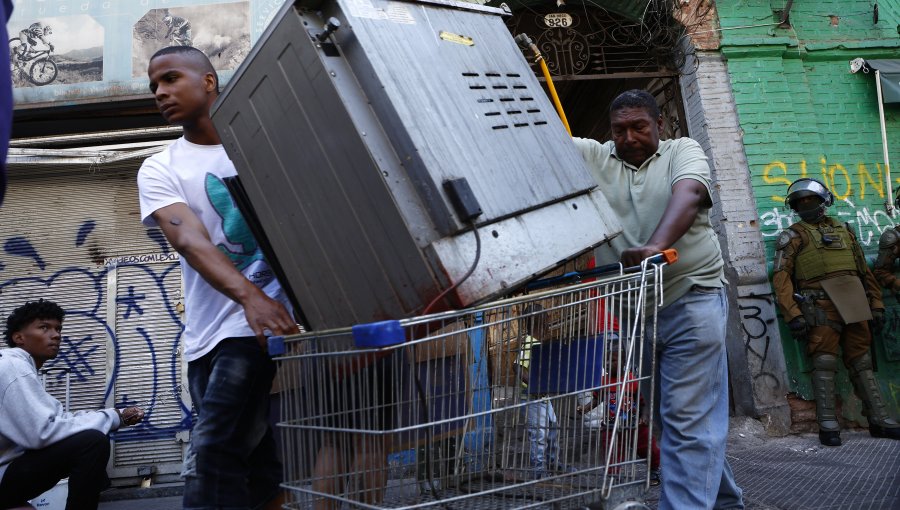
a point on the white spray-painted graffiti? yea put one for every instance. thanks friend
(868, 224)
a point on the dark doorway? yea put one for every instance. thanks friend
(593, 56)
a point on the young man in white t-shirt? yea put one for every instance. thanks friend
(232, 299)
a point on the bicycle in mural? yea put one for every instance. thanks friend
(35, 65)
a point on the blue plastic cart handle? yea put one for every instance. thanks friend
(276, 345)
(378, 334)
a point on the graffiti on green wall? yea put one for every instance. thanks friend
(859, 192)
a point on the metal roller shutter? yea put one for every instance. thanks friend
(70, 232)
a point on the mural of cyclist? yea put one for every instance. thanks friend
(179, 30)
(30, 37)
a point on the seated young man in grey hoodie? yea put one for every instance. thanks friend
(40, 443)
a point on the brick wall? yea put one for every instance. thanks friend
(756, 362)
(802, 113)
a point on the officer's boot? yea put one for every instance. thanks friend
(874, 409)
(824, 368)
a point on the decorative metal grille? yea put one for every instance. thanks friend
(595, 55)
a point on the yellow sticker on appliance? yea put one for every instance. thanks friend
(456, 38)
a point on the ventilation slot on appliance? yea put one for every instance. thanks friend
(505, 89)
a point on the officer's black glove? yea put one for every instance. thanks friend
(877, 321)
(799, 327)
(51, 46)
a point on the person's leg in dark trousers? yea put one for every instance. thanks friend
(232, 460)
(81, 457)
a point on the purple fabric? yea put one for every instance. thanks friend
(6, 99)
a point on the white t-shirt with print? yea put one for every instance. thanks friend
(192, 174)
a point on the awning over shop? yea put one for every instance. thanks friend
(889, 72)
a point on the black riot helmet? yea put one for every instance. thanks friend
(807, 187)
(897, 197)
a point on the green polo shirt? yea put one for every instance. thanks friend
(639, 196)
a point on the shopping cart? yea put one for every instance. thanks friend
(431, 411)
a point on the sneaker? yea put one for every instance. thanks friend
(654, 477)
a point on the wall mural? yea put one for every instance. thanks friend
(59, 50)
(100, 48)
(221, 31)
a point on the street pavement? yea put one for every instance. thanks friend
(786, 473)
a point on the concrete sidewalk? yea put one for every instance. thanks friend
(789, 473)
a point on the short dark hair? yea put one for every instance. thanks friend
(193, 53)
(29, 312)
(635, 98)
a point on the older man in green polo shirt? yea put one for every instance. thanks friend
(661, 192)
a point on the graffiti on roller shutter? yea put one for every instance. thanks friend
(26, 274)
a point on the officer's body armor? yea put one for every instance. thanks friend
(826, 249)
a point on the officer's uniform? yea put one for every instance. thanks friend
(888, 252)
(821, 277)
(802, 262)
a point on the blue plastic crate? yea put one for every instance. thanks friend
(564, 367)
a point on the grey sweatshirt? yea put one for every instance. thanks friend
(30, 418)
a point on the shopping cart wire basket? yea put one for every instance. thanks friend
(526, 402)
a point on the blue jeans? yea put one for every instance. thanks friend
(543, 435)
(232, 462)
(692, 400)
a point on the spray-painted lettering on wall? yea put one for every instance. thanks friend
(859, 190)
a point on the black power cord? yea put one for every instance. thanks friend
(420, 390)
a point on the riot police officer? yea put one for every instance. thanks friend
(888, 252)
(828, 296)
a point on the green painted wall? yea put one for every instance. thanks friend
(803, 114)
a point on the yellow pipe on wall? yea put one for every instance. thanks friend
(524, 40)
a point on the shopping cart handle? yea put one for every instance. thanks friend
(378, 334)
(669, 256)
(276, 345)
